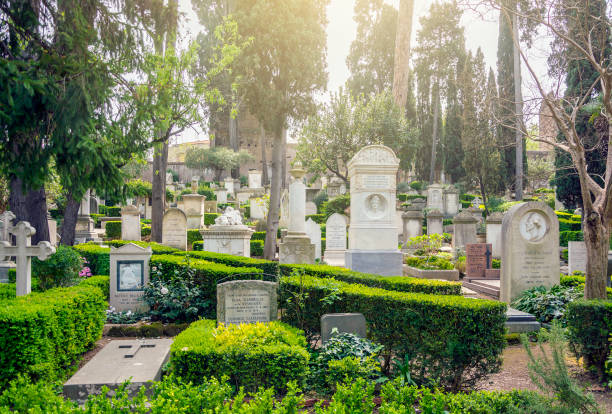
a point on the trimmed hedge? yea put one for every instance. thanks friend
(252, 355)
(589, 324)
(98, 258)
(155, 247)
(111, 211)
(193, 235)
(569, 225)
(267, 266)
(317, 218)
(451, 339)
(113, 229)
(100, 281)
(396, 283)
(257, 248)
(209, 218)
(43, 334)
(568, 236)
(259, 235)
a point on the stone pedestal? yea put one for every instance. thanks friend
(210, 206)
(221, 194)
(296, 246)
(259, 208)
(130, 223)
(84, 230)
(434, 222)
(435, 197)
(193, 205)
(464, 230)
(412, 220)
(255, 179)
(235, 240)
(493, 225)
(229, 186)
(373, 233)
(451, 201)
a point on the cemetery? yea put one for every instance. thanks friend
(188, 225)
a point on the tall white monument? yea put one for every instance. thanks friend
(373, 232)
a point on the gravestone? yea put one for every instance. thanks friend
(373, 231)
(296, 247)
(84, 230)
(246, 301)
(477, 260)
(493, 228)
(221, 194)
(255, 179)
(284, 209)
(174, 229)
(530, 249)
(451, 201)
(228, 235)
(229, 185)
(23, 251)
(139, 361)
(333, 188)
(413, 222)
(130, 223)
(577, 256)
(193, 205)
(243, 196)
(259, 208)
(6, 224)
(129, 274)
(335, 240)
(434, 222)
(210, 206)
(53, 237)
(310, 208)
(464, 230)
(313, 230)
(335, 323)
(435, 197)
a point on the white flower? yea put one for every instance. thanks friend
(164, 290)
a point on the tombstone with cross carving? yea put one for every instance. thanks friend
(23, 251)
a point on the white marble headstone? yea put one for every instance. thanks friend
(313, 230)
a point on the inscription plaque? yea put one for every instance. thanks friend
(246, 301)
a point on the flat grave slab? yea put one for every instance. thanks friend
(519, 322)
(139, 361)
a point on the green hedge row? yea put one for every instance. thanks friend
(252, 355)
(193, 235)
(589, 324)
(110, 211)
(43, 334)
(113, 229)
(568, 236)
(155, 247)
(267, 266)
(98, 258)
(209, 218)
(256, 247)
(396, 283)
(317, 218)
(259, 235)
(569, 225)
(451, 339)
(207, 274)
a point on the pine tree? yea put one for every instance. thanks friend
(453, 152)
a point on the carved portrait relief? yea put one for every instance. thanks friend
(376, 205)
(533, 226)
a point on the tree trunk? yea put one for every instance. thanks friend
(158, 192)
(273, 212)
(30, 206)
(434, 139)
(483, 195)
(284, 160)
(71, 214)
(597, 240)
(265, 180)
(518, 105)
(234, 141)
(401, 64)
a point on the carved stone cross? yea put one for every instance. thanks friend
(24, 251)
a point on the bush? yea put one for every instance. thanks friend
(589, 324)
(569, 225)
(100, 281)
(98, 258)
(397, 283)
(112, 211)
(259, 235)
(193, 235)
(145, 230)
(450, 339)
(547, 304)
(317, 218)
(321, 198)
(203, 274)
(61, 269)
(417, 185)
(252, 355)
(209, 218)
(155, 247)
(336, 205)
(568, 236)
(267, 266)
(430, 263)
(113, 229)
(344, 357)
(257, 248)
(43, 334)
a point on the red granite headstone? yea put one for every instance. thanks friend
(478, 260)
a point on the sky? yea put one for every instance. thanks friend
(480, 31)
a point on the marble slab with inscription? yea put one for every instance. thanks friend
(246, 301)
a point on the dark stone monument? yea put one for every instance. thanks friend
(478, 260)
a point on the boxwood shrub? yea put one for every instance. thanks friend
(252, 355)
(155, 247)
(113, 229)
(568, 236)
(397, 283)
(193, 235)
(267, 266)
(112, 211)
(257, 248)
(258, 235)
(589, 324)
(43, 334)
(569, 225)
(317, 218)
(98, 258)
(451, 339)
(209, 218)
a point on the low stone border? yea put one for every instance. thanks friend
(451, 275)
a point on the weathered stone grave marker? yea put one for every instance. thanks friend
(335, 243)
(577, 256)
(130, 223)
(313, 230)
(174, 229)
(477, 259)
(332, 323)
(228, 235)
(246, 301)
(24, 251)
(129, 274)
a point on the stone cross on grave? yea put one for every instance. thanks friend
(24, 251)
(488, 255)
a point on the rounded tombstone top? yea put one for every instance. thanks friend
(173, 211)
(336, 219)
(496, 217)
(435, 213)
(374, 155)
(130, 210)
(464, 216)
(535, 220)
